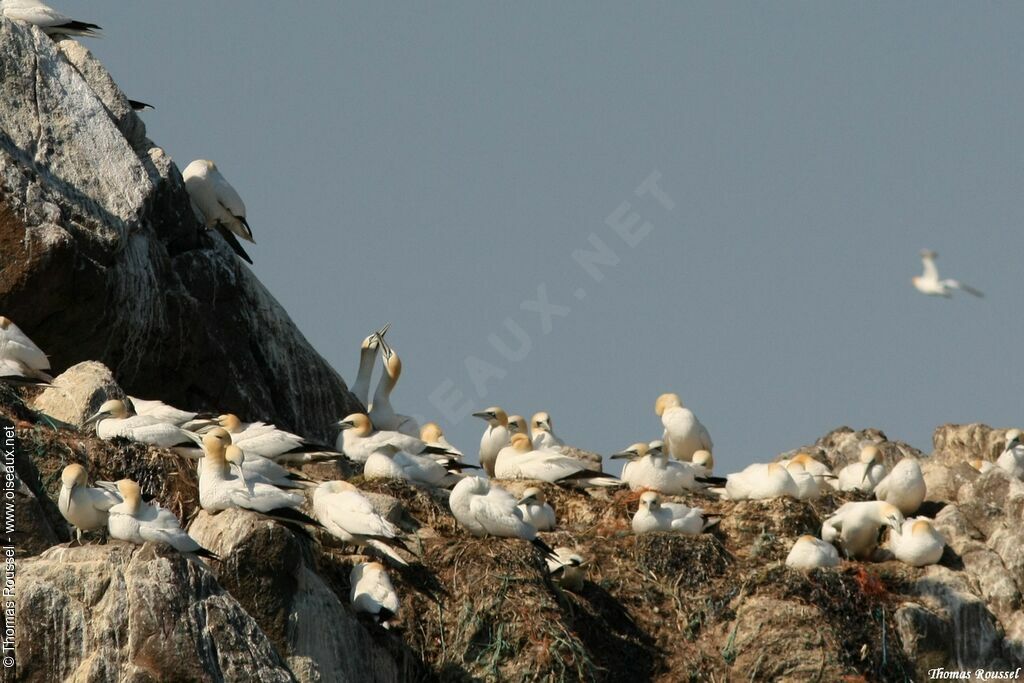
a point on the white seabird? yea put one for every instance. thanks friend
(854, 526)
(15, 345)
(517, 425)
(655, 471)
(864, 474)
(630, 455)
(359, 440)
(217, 204)
(348, 515)
(113, 420)
(85, 507)
(158, 410)
(485, 509)
(929, 283)
(367, 359)
(821, 472)
(518, 460)
(137, 522)
(703, 462)
(809, 553)
(981, 465)
(1011, 460)
(761, 481)
(567, 568)
(495, 437)
(46, 18)
(653, 515)
(382, 414)
(904, 486)
(372, 592)
(432, 435)
(544, 439)
(258, 438)
(916, 543)
(535, 509)
(807, 486)
(684, 433)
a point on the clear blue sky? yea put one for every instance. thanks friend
(433, 164)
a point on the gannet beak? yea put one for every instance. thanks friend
(524, 499)
(382, 331)
(98, 416)
(624, 455)
(483, 415)
(867, 469)
(346, 424)
(241, 474)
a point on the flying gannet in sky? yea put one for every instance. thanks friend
(684, 434)
(916, 543)
(653, 515)
(85, 507)
(46, 18)
(217, 204)
(485, 509)
(372, 592)
(809, 553)
(495, 437)
(367, 359)
(567, 568)
(381, 414)
(1011, 460)
(134, 521)
(855, 526)
(864, 474)
(904, 486)
(535, 509)
(518, 460)
(348, 515)
(929, 283)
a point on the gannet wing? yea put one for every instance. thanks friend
(956, 284)
(930, 271)
(233, 242)
(354, 513)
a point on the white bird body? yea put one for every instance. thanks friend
(821, 472)
(14, 371)
(162, 412)
(917, 543)
(348, 515)
(536, 510)
(266, 440)
(761, 481)
(653, 515)
(46, 18)
(809, 553)
(545, 439)
(86, 508)
(856, 526)
(929, 283)
(656, 472)
(220, 490)
(372, 591)
(1011, 460)
(566, 566)
(16, 346)
(904, 486)
(864, 474)
(382, 415)
(135, 521)
(215, 200)
(112, 420)
(404, 466)
(807, 487)
(684, 434)
(256, 468)
(359, 440)
(519, 461)
(488, 510)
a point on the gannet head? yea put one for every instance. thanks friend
(4, 322)
(920, 527)
(392, 363)
(650, 500)
(521, 443)
(637, 450)
(359, 423)
(870, 454)
(235, 457)
(656, 448)
(703, 459)
(890, 514)
(215, 441)
(230, 422)
(114, 408)
(806, 538)
(431, 433)
(373, 342)
(928, 254)
(541, 422)
(533, 495)
(130, 492)
(666, 401)
(795, 465)
(1012, 438)
(516, 424)
(569, 557)
(73, 475)
(494, 415)
(336, 486)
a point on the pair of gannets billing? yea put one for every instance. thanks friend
(46, 18)
(519, 460)
(929, 283)
(485, 509)
(649, 467)
(21, 361)
(864, 474)
(854, 526)
(904, 486)
(654, 515)
(372, 592)
(684, 434)
(367, 361)
(381, 412)
(916, 543)
(217, 204)
(113, 419)
(536, 510)
(1011, 460)
(349, 515)
(809, 553)
(567, 568)
(266, 440)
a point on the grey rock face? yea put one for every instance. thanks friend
(78, 392)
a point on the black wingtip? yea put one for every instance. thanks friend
(233, 242)
(713, 481)
(294, 516)
(203, 552)
(539, 543)
(80, 26)
(136, 105)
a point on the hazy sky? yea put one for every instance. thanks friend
(434, 164)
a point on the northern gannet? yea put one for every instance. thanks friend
(904, 486)
(258, 438)
(653, 515)
(359, 440)
(807, 486)
(15, 345)
(517, 425)
(809, 553)
(761, 481)
(544, 439)
(217, 203)
(113, 420)
(372, 592)
(916, 543)
(630, 455)
(46, 18)
(18, 374)
(348, 515)
(162, 412)
(928, 282)
(567, 568)
(518, 460)
(381, 414)
(684, 434)
(85, 507)
(488, 510)
(432, 435)
(495, 437)
(389, 463)
(367, 359)
(536, 511)
(137, 522)
(982, 466)
(655, 471)
(819, 470)
(864, 474)
(704, 462)
(1011, 460)
(855, 526)
(254, 469)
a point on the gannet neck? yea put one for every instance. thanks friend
(132, 495)
(361, 387)
(666, 401)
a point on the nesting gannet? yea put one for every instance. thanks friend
(137, 522)
(1011, 460)
(807, 486)
(367, 358)
(389, 463)
(535, 509)
(495, 437)
(488, 510)
(543, 436)
(761, 481)
(432, 435)
(518, 460)
(372, 592)
(382, 414)
(819, 470)
(567, 568)
(17, 373)
(517, 425)
(684, 434)
(653, 515)
(257, 469)
(855, 526)
(809, 552)
(84, 507)
(348, 515)
(258, 438)
(46, 18)
(655, 471)
(359, 440)
(217, 203)
(703, 462)
(163, 412)
(15, 345)
(928, 282)
(916, 543)
(904, 486)
(630, 455)
(113, 420)
(982, 466)
(864, 474)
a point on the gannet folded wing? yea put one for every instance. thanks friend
(46, 18)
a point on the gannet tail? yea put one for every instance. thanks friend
(712, 481)
(387, 551)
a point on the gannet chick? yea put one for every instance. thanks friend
(809, 553)
(488, 510)
(162, 412)
(372, 592)
(113, 420)
(535, 509)
(929, 283)
(684, 434)
(84, 507)
(761, 481)
(495, 437)
(653, 515)
(358, 440)
(904, 486)
(855, 526)
(15, 345)
(432, 435)
(137, 522)
(543, 436)
(865, 474)
(46, 18)
(266, 440)
(518, 460)
(348, 515)
(703, 462)
(982, 466)
(217, 204)
(381, 414)
(1012, 458)
(567, 568)
(917, 543)
(807, 487)
(656, 472)
(367, 357)
(517, 425)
